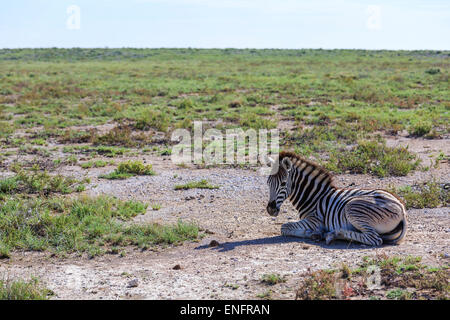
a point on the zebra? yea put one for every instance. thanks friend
(368, 216)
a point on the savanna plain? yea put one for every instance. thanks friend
(92, 207)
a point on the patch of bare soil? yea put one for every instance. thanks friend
(241, 241)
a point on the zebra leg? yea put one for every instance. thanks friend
(362, 221)
(302, 229)
(369, 236)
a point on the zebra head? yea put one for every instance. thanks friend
(280, 187)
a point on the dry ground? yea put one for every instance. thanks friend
(234, 215)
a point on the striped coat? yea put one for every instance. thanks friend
(367, 216)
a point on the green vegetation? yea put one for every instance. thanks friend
(129, 169)
(373, 157)
(18, 289)
(429, 194)
(83, 224)
(156, 206)
(122, 136)
(266, 295)
(394, 278)
(318, 285)
(40, 182)
(272, 278)
(96, 164)
(332, 98)
(202, 184)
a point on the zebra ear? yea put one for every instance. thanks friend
(287, 164)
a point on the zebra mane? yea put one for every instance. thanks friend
(298, 160)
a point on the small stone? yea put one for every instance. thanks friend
(214, 243)
(176, 267)
(133, 283)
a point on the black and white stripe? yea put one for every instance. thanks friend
(371, 217)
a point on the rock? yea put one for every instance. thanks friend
(133, 283)
(214, 243)
(176, 267)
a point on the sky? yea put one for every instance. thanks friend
(327, 24)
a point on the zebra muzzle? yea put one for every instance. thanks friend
(272, 208)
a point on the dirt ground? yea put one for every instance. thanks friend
(249, 239)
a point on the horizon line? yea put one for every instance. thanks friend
(222, 48)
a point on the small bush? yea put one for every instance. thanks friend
(420, 129)
(41, 182)
(96, 164)
(76, 136)
(272, 278)
(121, 136)
(433, 71)
(427, 195)
(202, 184)
(129, 169)
(394, 277)
(83, 224)
(23, 290)
(148, 118)
(375, 158)
(318, 285)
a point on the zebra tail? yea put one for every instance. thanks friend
(395, 236)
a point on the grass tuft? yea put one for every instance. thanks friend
(23, 290)
(129, 169)
(429, 194)
(82, 224)
(375, 158)
(202, 184)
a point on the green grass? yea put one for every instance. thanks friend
(202, 184)
(429, 194)
(122, 135)
(333, 99)
(129, 169)
(160, 88)
(272, 278)
(82, 225)
(318, 285)
(398, 294)
(40, 182)
(375, 158)
(400, 277)
(18, 289)
(96, 164)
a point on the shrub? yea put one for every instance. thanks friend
(420, 129)
(272, 278)
(427, 195)
(129, 169)
(202, 184)
(375, 158)
(148, 118)
(121, 136)
(19, 289)
(318, 285)
(433, 71)
(36, 181)
(83, 224)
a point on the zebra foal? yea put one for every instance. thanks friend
(368, 216)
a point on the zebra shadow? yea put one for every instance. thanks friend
(231, 245)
